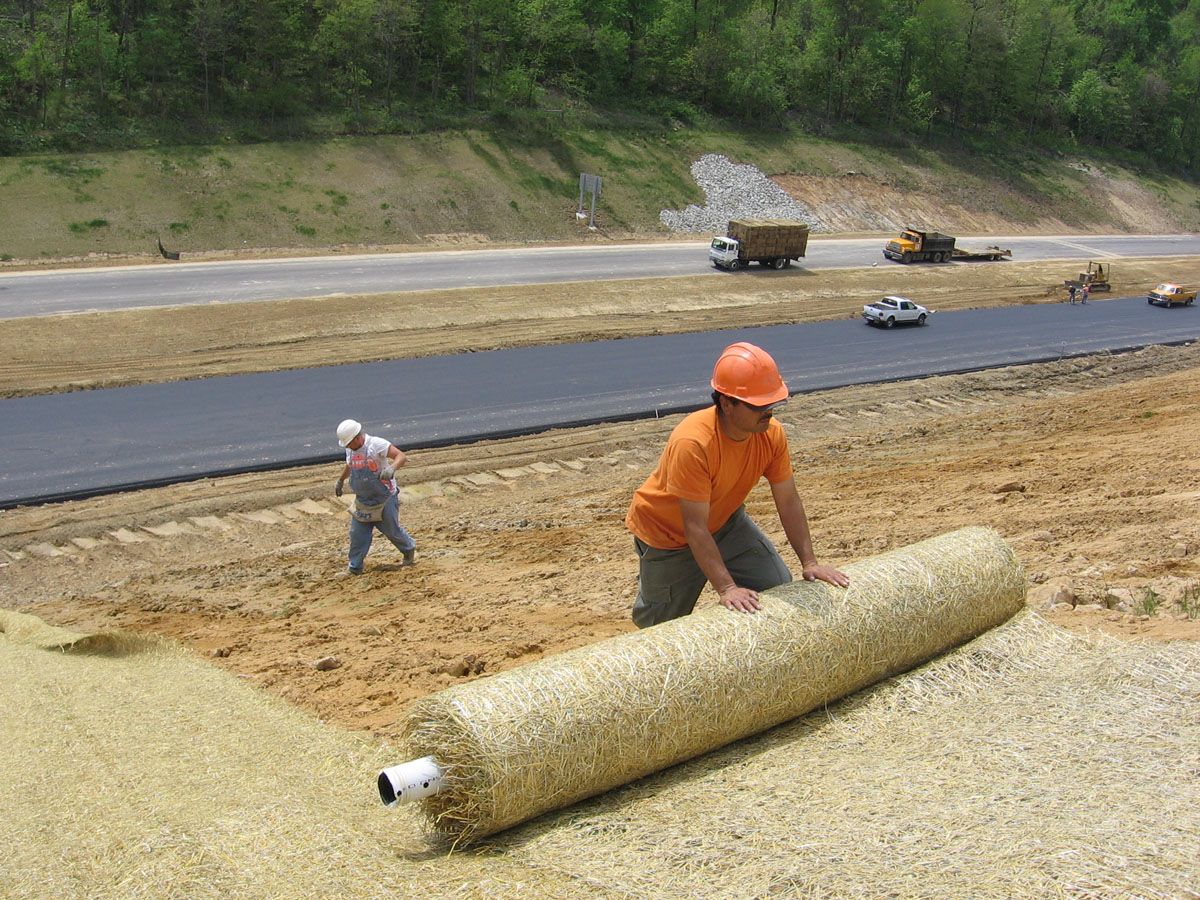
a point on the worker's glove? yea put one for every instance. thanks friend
(339, 488)
(388, 470)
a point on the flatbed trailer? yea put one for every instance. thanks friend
(992, 253)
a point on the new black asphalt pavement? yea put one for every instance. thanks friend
(65, 446)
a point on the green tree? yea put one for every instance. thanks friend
(345, 45)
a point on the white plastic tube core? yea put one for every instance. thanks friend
(410, 781)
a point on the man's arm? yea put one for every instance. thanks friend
(708, 557)
(795, 526)
(395, 459)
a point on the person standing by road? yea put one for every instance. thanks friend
(371, 464)
(1085, 292)
(688, 519)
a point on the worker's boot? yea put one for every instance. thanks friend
(410, 557)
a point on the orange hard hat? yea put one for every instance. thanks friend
(748, 373)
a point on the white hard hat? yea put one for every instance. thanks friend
(347, 431)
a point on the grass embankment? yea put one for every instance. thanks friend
(470, 187)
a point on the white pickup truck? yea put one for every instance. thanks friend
(892, 310)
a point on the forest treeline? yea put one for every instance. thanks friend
(1123, 74)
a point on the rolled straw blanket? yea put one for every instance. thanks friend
(551, 733)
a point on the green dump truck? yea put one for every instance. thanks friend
(769, 242)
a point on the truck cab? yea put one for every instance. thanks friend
(908, 242)
(723, 252)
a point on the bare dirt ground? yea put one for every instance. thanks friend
(1084, 465)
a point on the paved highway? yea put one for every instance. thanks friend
(178, 284)
(92, 442)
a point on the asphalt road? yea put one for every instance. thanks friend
(183, 283)
(61, 446)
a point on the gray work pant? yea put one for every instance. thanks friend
(670, 581)
(361, 534)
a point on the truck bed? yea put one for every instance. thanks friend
(769, 237)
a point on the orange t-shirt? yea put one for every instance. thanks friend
(701, 463)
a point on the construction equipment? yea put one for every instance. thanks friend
(770, 242)
(932, 246)
(1096, 278)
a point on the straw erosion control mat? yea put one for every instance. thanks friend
(1044, 758)
(1028, 763)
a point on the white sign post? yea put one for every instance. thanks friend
(588, 184)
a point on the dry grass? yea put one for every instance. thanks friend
(549, 734)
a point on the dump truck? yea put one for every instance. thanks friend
(769, 242)
(1168, 294)
(932, 246)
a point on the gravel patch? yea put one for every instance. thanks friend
(734, 192)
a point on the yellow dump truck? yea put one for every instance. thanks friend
(915, 246)
(1168, 294)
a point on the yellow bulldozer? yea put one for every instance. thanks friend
(1096, 278)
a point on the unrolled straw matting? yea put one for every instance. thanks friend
(1030, 762)
(572, 726)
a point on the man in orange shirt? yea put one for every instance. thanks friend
(687, 519)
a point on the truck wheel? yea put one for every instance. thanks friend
(1188, 301)
(906, 258)
(939, 257)
(787, 263)
(734, 265)
(890, 323)
(777, 264)
(921, 319)
(1150, 301)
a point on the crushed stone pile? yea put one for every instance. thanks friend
(734, 192)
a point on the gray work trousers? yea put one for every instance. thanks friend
(670, 581)
(361, 534)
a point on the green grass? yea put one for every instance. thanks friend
(508, 186)
(1150, 601)
(1190, 601)
(85, 227)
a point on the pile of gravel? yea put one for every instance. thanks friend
(733, 192)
